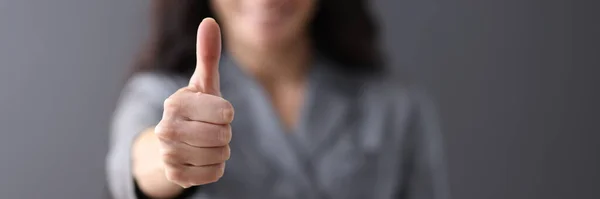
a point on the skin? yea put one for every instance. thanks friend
(190, 145)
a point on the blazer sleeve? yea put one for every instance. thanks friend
(138, 108)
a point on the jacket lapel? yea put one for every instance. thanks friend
(264, 131)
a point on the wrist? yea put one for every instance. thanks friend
(148, 170)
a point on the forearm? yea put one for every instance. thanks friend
(148, 170)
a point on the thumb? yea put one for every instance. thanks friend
(208, 52)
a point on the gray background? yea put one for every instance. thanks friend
(518, 115)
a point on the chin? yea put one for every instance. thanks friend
(266, 43)
(269, 39)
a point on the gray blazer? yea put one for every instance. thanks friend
(357, 138)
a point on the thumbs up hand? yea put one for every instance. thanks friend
(195, 129)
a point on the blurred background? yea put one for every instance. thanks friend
(518, 102)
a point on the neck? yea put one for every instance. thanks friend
(281, 64)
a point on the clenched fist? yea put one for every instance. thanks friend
(195, 130)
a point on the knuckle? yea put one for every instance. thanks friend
(175, 175)
(220, 171)
(228, 112)
(225, 153)
(213, 174)
(224, 136)
(166, 130)
(212, 178)
(197, 181)
(171, 105)
(202, 180)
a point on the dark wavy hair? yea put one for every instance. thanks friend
(342, 30)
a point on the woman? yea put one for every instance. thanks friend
(316, 116)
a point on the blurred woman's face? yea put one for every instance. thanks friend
(264, 23)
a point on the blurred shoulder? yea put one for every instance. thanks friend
(383, 90)
(151, 80)
(394, 92)
(152, 85)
